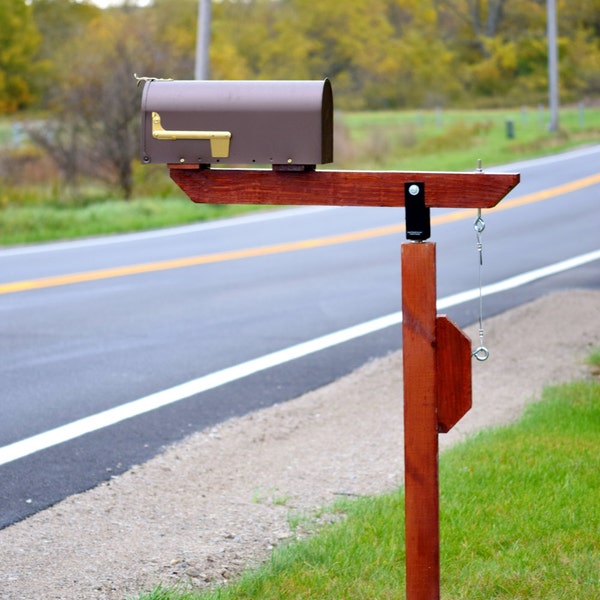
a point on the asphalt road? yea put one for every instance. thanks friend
(95, 333)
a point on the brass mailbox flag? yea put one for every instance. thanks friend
(219, 140)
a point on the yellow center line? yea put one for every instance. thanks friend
(192, 261)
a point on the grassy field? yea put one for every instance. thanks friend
(406, 140)
(520, 516)
(453, 140)
(46, 222)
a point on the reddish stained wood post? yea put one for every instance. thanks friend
(437, 394)
(436, 354)
(420, 421)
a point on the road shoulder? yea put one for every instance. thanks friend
(220, 501)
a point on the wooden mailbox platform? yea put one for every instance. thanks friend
(436, 354)
(339, 188)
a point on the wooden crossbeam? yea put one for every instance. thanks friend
(340, 188)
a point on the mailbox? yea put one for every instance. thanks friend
(237, 122)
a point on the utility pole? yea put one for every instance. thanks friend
(552, 64)
(203, 39)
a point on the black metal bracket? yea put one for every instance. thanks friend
(418, 221)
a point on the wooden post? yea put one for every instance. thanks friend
(420, 421)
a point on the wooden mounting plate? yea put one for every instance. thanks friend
(453, 374)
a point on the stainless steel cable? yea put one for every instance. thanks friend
(481, 353)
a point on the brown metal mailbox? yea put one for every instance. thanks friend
(237, 122)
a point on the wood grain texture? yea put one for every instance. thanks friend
(339, 188)
(453, 373)
(420, 422)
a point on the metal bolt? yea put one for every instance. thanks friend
(414, 189)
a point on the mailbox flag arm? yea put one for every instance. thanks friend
(219, 140)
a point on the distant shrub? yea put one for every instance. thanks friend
(456, 135)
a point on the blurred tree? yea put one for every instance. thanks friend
(172, 26)
(499, 47)
(353, 43)
(579, 47)
(59, 22)
(583, 15)
(19, 42)
(95, 105)
(378, 53)
(426, 62)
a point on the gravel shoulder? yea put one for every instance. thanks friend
(208, 507)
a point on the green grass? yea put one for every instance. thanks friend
(530, 525)
(520, 518)
(453, 140)
(37, 223)
(594, 360)
(404, 140)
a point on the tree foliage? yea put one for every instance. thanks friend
(19, 42)
(378, 53)
(397, 53)
(94, 99)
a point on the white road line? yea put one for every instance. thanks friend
(518, 280)
(574, 154)
(146, 404)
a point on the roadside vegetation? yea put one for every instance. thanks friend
(35, 207)
(417, 86)
(520, 517)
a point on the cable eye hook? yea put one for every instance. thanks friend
(481, 353)
(479, 224)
